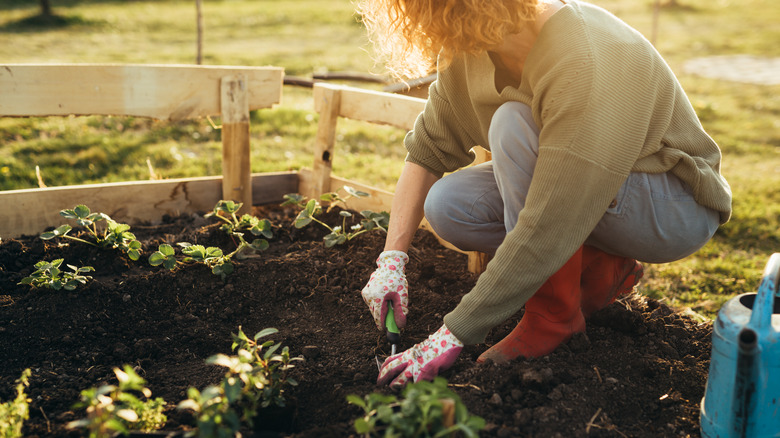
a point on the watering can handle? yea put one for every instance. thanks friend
(767, 291)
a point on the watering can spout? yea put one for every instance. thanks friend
(742, 398)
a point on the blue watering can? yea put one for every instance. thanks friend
(742, 398)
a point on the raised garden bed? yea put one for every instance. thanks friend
(639, 371)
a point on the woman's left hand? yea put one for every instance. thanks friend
(423, 361)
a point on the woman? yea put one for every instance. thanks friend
(598, 160)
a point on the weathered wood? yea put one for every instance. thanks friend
(373, 106)
(236, 159)
(172, 92)
(30, 211)
(477, 261)
(328, 104)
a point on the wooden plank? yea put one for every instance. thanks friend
(373, 106)
(236, 160)
(173, 92)
(31, 211)
(328, 104)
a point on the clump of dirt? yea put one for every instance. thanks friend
(639, 370)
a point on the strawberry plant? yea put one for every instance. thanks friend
(233, 225)
(14, 413)
(339, 234)
(214, 258)
(419, 412)
(256, 378)
(106, 232)
(211, 256)
(116, 409)
(48, 274)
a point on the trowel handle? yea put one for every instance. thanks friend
(393, 333)
(767, 291)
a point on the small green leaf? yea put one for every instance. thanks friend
(354, 192)
(362, 426)
(169, 263)
(82, 211)
(265, 332)
(329, 197)
(59, 231)
(303, 219)
(157, 258)
(292, 199)
(223, 269)
(213, 251)
(259, 244)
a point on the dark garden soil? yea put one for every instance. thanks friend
(639, 371)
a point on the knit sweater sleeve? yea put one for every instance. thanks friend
(440, 141)
(596, 99)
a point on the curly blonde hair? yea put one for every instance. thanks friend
(409, 35)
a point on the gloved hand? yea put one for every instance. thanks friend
(423, 361)
(388, 285)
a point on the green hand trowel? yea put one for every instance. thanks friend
(393, 335)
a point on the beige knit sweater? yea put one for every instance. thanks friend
(606, 104)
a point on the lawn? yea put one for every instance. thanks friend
(315, 36)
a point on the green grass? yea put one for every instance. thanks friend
(313, 36)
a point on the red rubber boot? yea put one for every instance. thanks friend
(605, 277)
(552, 316)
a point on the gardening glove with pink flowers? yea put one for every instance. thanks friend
(423, 361)
(388, 287)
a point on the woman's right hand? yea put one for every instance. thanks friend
(388, 287)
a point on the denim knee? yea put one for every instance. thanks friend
(511, 119)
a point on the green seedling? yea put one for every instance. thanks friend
(113, 409)
(256, 378)
(106, 232)
(165, 255)
(420, 412)
(233, 225)
(220, 263)
(214, 258)
(236, 227)
(48, 274)
(334, 199)
(211, 256)
(339, 234)
(14, 413)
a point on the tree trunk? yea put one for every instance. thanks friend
(45, 8)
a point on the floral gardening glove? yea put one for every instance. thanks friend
(423, 361)
(388, 286)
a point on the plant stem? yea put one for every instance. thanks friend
(81, 240)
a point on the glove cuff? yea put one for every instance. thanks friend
(393, 257)
(445, 334)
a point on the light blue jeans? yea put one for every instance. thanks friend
(654, 217)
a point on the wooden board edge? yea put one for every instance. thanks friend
(31, 211)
